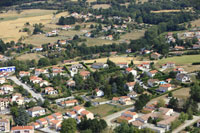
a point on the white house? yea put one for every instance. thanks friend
(40, 71)
(44, 83)
(2, 80)
(23, 73)
(36, 111)
(71, 114)
(99, 93)
(168, 65)
(78, 109)
(132, 94)
(130, 85)
(7, 88)
(35, 80)
(122, 64)
(69, 103)
(183, 77)
(132, 71)
(166, 111)
(165, 87)
(50, 91)
(87, 114)
(152, 73)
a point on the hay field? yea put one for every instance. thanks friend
(12, 22)
(166, 11)
(103, 6)
(196, 23)
(133, 35)
(30, 56)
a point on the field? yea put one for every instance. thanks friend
(166, 11)
(30, 56)
(196, 22)
(104, 110)
(12, 21)
(133, 35)
(103, 6)
(181, 60)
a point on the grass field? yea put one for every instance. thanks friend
(30, 56)
(181, 60)
(12, 21)
(133, 35)
(103, 6)
(196, 22)
(104, 110)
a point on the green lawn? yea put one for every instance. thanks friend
(104, 110)
(181, 60)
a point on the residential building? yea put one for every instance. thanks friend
(133, 115)
(43, 122)
(153, 82)
(183, 77)
(7, 88)
(56, 124)
(4, 125)
(71, 114)
(128, 50)
(66, 27)
(130, 85)
(99, 93)
(40, 71)
(155, 56)
(35, 80)
(2, 80)
(69, 103)
(87, 114)
(132, 94)
(132, 71)
(179, 70)
(78, 109)
(49, 118)
(125, 100)
(36, 125)
(165, 87)
(22, 129)
(122, 64)
(152, 73)
(99, 65)
(166, 123)
(58, 116)
(85, 74)
(138, 124)
(23, 73)
(4, 103)
(36, 111)
(196, 46)
(44, 83)
(166, 111)
(50, 91)
(71, 83)
(168, 65)
(17, 97)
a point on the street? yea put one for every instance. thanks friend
(111, 117)
(35, 95)
(186, 123)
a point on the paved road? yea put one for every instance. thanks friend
(186, 123)
(111, 117)
(18, 82)
(47, 130)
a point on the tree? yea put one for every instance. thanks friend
(170, 94)
(46, 103)
(161, 103)
(68, 126)
(43, 62)
(77, 27)
(20, 116)
(183, 116)
(173, 103)
(195, 92)
(88, 104)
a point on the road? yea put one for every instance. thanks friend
(18, 82)
(109, 118)
(64, 99)
(186, 123)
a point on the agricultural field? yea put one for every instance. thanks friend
(104, 110)
(12, 22)
(196, 23)
(133, 35)
(30, 56)
(103, 6)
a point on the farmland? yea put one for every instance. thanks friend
(30, 56)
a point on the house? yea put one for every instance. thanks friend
(168, 65)
(153, 82)
(166, 111)
(87, 114)
(132, 71)
(66, 27)
(56, 124)
(69, 103)
(115, 99)
(166, 123)
(17, 97)
(145, 65)
(138, 124)
(88, 34)
(43, 122)
(198, 123)
(152, 73)
(4, 125)
(85, 74)
(125, 100)
(109, 37)
(77, 66)
(44, 83)
(130, 85)
(128, 50)
(57, 68)
(179, 70)
(179, 48)
(36, 111)
(71, 83)
(182, 77)
(38, 49)
(2, 80)
(78, 109)
(165, 87)
(155, 56)
(49, 118)
(168, 80)
(122, 64)
(22, 129)
(7, 88)
(57, 116)
(35, 80)
(4, 103)
(50, 91)
(99, 65)
(62, 42)
(40, 71)
(124, 119)
(133, 115)
(144, 118)
(99, 93)
(132, 94)
(71, 114)
(23, 73)
(196, 46)
(36, 125)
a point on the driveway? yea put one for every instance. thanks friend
(47, 130)
(63, 99)
(18, 82)
(186, 123)
(111, 117)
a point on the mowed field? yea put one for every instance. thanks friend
(103, 6)
(12, 21)
(30, 56)
(196, 22)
